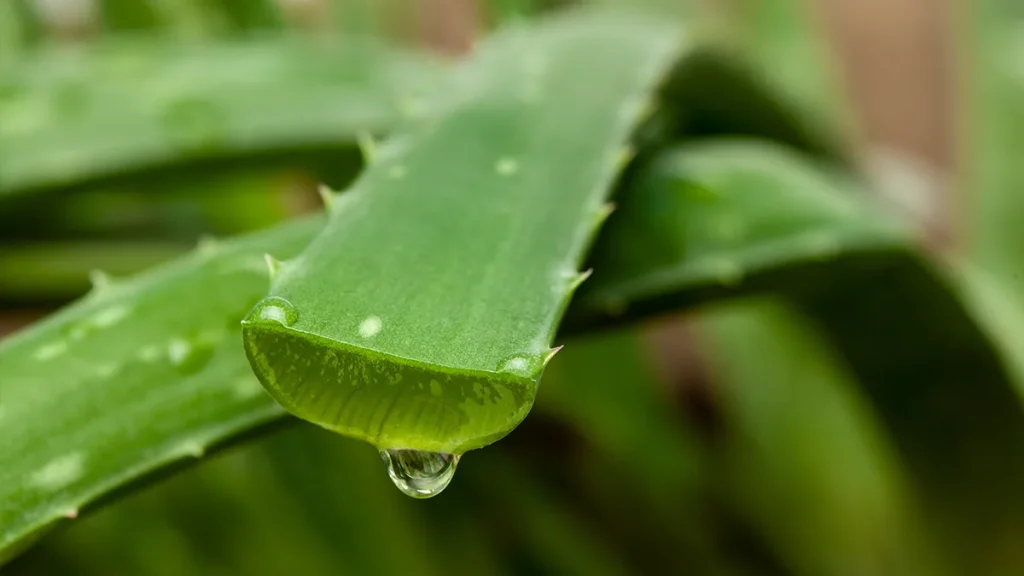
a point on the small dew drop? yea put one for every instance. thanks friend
(178, 350)
(148, 353)
(50, 351)
(189, 357)
(275, 309)
(370, 327)
(515, 364)
(419, 473)
(506, 166)
(524, 364)
(58, 473)
(106, 370)
(109, 316)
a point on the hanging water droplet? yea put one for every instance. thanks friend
(419, 473)
(275, 309)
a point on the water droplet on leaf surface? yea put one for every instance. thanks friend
(276, 309)
(419, 473)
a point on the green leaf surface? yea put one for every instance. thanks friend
(422, 316)
(132, 106)
(802, 457)
(740, 218)
(162, 351)
(71, 370)
(721, 218)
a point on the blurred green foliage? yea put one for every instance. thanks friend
(865, 426)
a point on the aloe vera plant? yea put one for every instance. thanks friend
(200, 104)
(421, 311)
(433, 339)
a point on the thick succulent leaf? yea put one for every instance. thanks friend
(311, 502)
(135, 376)
(128, 107)
(736, 219)
(801, 456)
(423, 315)
(722, 218)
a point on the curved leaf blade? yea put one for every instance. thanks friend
(722, 218)
(129, 107)
(163, 352)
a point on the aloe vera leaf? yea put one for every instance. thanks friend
(802, 457)
(726, 217)
(130, 448)
(769, 33)
(228, 204)
(312, 502)
(423, 314)
(131, 107)
(715, 92)
(164, 349)
(927, 361)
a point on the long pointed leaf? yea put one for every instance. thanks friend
(127, 108)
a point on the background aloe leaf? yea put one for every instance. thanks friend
(533, 133)
(164, 349)
(708, 201)
(802, 456)
(770, 33)
(166, 104)
(721, 218)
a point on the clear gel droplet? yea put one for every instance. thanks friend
(419, 473)
(275, 309)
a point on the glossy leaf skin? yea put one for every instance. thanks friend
(422, 316)
(740, 218)
(722, 218)
(167, 104)
(163, 350)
